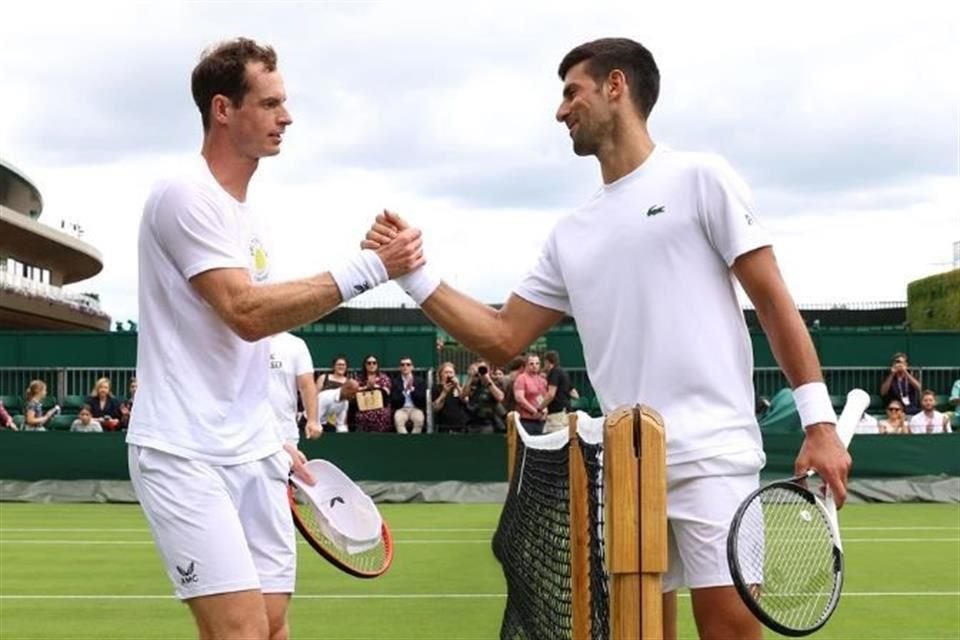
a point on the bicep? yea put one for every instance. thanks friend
(222, 289)
(526, 321)
(758, 273)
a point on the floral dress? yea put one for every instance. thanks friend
(378, 420)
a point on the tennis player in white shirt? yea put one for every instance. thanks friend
(647, 270)
(208, 467)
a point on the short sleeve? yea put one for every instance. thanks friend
(725, 212)
(544, 284)
(553, 378)
(194, 231)
(304, 362)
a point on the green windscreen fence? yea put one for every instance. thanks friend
(440, 457)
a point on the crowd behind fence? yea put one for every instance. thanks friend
(65, 382)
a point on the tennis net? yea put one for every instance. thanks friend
(552, 540)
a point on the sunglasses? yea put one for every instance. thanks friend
(371, 362)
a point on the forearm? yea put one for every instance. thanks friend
(473, 324)
(790, 341)
(522, 402)
(308, 394)
(265, 310)
(885, 385)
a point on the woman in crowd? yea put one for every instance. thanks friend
(85, 422)
(896, 420)
(449, 408)
(336, 413)
(104, 407)
(373, 383)
(35, 419)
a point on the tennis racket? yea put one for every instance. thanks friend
(784, 547)
(341, 522)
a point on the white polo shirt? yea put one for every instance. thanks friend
(644, 269)
(203, 390)
(289, 359)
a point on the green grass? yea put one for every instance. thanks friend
(903, 578)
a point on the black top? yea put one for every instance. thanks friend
(561, 380)
(900, 387)
(110, 408)
(453, 413)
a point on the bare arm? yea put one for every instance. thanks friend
(885, 385)
(520, 396)
(496, 335)
(760, 276)
(549, 396)
(308, 393)
(255, 312)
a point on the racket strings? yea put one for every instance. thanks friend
(786, 550)
(368, 562)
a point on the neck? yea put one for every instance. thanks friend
(232, 170)
(626, 149)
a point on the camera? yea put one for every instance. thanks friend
(482, 370)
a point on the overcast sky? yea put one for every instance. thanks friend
(844, 117)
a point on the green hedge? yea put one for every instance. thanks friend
(934, 303)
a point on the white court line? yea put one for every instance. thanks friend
(429, 596)
(142, 542)
(145, 530)
(402, 542)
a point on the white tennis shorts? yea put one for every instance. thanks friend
(702, 497)
(218, 529)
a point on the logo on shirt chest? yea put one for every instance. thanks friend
(259, 261)
(655, 210)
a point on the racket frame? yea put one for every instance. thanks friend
(744, 589)
(385, 536)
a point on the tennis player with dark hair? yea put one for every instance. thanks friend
(647, 269)
(208, 466)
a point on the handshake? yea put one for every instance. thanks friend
(400, 249)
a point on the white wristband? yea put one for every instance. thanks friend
(813, 404)
(363, 272)
(419, 284)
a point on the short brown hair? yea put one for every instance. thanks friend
(632, 58)
(552, 357)
(222, 70)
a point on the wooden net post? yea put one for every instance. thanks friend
(511, 444)
(579, 538)
(636, 522)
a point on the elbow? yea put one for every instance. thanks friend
(247, 328)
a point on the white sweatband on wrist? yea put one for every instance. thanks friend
(419, 284)
(362, 272)
(813, 404)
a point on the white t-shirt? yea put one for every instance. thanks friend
(289, 359)
(644, 269)
(203, 390)
(920, 422)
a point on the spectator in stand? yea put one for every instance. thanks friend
(131, 391)
(449, 409)
(929, 420)
(482, 396)
(336, 411)
(35, 419)
(373, 399)
(104, 406)
(896, 420)
(514, 368)
(955, 395)
(408, 397)
(6, 420)
(556, 402)
(529, 390)
(334, 403)
(127, 405)
(901, 385)
(85, 422)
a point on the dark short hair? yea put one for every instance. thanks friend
(222, 70)
(86, 408)
(897, 356)
(927, 392)
(632, 58)
(516, 363)
(552, 357)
